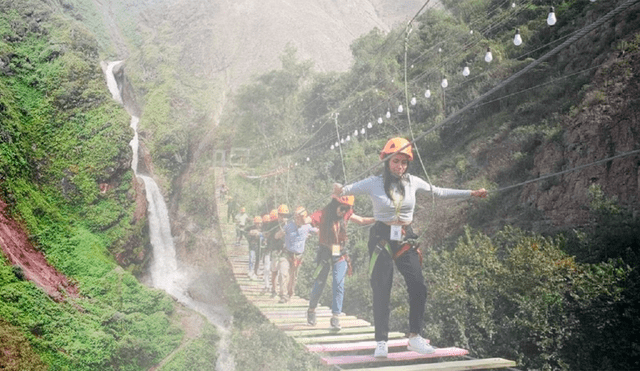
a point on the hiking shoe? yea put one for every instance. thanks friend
(420, 345)
(381, 350)
(311, 318)
(335, 323)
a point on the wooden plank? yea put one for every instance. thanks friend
(301, 320)
(343, 338)
(328, 331)
(323, 325)
(393, 357)
(476, 364)
(349, 347)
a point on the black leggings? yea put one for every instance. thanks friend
(409, 266)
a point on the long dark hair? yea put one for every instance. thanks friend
(329, 216)
(389, 178)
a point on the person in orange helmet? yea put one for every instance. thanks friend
(295, 234)
(276, 248)
(269, 229)
(391, 239)
(332, 253)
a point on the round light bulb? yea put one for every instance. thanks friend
(369, 125)
(307, 159)
(355, 133)
(513, 5)
(379, 120)
(414, 101)
(427, 93)
(439, 50)
(517, 39)
(362, 131)
(444, 83)
(332, 146)
(388, 114)
(551, 18)
(348, 138)
(466, 71)
(341, 140)
(488, 57)
(400, 109)
(471, 32)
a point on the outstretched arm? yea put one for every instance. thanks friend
(362, 220)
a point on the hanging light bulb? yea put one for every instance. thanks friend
(362, 131)
(332, 146)
(296, 164)
(355, 133)
(369, 125)
(466, 71)
(470, 32)
(341, 140)
(400, 109)
(439, 50)
(414, 101)
(517, 39)
(337, 144)
(308, 159)
(348, 138)
(551, 18)
(379, 120)
(513, 5)
(427, 93)
(488, 57)
(388, 114)
(444, 83)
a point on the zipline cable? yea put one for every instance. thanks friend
(547, 176)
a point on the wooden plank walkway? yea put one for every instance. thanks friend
(350, 347)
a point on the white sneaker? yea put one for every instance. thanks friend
(381, 350)
(420, 345)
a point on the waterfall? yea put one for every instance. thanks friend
(164, 266)
(164, 270)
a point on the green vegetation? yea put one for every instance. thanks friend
(62, 136)
(564, 299)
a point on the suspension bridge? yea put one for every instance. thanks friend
(352, 346)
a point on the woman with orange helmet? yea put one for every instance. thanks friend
(295, 233)
(270, 226)
(332, 253)
(391, 239)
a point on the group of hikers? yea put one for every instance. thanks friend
(278, 241)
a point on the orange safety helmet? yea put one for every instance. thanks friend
(345, 200)
(301, 211)
(273, 214)
(394, 144)
(257, 220)
(266, 218)
(283, 209)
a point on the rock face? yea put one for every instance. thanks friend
(605, 124)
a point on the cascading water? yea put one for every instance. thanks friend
(164, 267)
(164, 270)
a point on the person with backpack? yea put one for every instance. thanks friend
(332, 254)
(392, 239)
